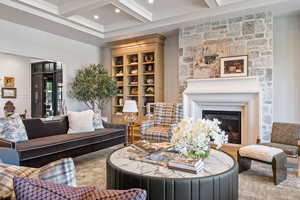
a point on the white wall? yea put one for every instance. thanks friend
(25, 41)
(287, 69)
(171, 69)
(19, 68)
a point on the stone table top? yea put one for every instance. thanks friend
(217, 162)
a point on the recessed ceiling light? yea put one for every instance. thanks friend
(96, 17)
(117, 10)
(151, 1)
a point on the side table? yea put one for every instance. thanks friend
(134, 132)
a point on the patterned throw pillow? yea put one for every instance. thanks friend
(7, 173)
(27, 189)
(13, 129)
(59, 172)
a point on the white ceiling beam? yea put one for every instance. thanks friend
(77, 6)
(134, 9)
(41, 4)
(23, 6)
(212, 3)
(86, 22)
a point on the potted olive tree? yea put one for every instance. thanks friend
(94, 87)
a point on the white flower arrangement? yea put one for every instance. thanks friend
(193, 139)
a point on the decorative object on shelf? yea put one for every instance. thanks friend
(120, 91)
(94, 87)
(24, 115)
(134, 71)
(134, 81)
(119, 72)
(133, 59)
(9, 82)
(149, 68)
(194, 139)
(149, 58)
(130, 110)
(205, 65)
(119, 61)
(149, 81)
(9, 109)
(149, 90)
(9, 93)
(234, 66)
(134, 91)
(121, 101)
(119, 83)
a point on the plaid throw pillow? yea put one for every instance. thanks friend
(59, 172)
(27, 189)
(7, 173)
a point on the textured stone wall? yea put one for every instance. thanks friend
(250, 35)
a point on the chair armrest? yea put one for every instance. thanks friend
(117, 126)
(7, 144)
(145, 125)
(9, 156)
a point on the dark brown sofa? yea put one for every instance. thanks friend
(49, 141)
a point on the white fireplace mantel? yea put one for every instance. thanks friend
(227, 94)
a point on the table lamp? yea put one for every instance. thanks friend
(130, 109)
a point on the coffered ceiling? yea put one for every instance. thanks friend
(98, 21)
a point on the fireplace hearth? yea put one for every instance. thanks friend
(231, 123)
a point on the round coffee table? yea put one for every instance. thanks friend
(217, 181)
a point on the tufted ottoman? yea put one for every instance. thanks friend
(270, 155)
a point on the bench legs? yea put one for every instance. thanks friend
(279, 168)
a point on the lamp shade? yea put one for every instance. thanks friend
(130, 106)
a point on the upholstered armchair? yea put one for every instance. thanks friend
(286, 136)
(165, 117)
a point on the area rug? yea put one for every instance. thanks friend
(254, 184)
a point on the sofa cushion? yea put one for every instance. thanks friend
(80, 122)
(55, 144)
(290, 150)
(27, 189)
(13, 129)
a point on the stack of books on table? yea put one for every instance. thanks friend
(187, 165)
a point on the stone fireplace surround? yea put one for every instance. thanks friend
(227, 94)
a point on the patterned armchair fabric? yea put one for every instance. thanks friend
(285, 136)
(165, 118)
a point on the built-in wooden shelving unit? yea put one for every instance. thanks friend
(137, 67)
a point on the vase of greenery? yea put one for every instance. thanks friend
(94, 87)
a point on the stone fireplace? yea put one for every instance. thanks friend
(234, 101)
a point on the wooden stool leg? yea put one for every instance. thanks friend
(244, 163)
(279, 163)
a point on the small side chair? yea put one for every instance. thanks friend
(286, 136)
(165, 117)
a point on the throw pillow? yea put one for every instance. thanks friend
(13, 129)
(27, 189)
(80, 122)
(7, 173)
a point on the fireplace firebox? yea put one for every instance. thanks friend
(231, 123)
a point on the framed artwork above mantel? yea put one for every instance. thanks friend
(234, 66)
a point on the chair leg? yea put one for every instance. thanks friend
(279, 167)
(244, 163)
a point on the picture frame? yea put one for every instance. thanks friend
(234, 66)
(9, 81)
(9, 93)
